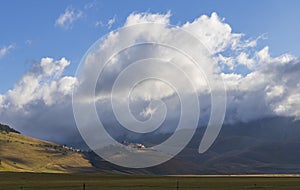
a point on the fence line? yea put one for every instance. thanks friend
(84, 186)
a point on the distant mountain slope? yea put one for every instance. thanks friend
(269, 145)
(20, 153)
(265, 146)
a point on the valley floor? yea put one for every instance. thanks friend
(35, 181)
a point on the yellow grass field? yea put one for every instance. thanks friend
(19, 153)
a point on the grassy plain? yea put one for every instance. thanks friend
(48, 181)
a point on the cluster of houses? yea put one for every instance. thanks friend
(72, 149)
(134, 145)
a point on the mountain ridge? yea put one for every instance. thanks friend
(265, 146)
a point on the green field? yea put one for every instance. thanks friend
(102, 182)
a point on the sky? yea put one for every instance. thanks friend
(29, 29)
(43, 42)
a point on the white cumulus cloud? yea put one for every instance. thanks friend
(66, 19)
(5, 50)
(44, 83)
(258, 85)
(111, 21)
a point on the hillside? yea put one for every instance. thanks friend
(20, 153)
(7, 129)
(265, 146)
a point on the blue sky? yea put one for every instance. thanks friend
(29, 26)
